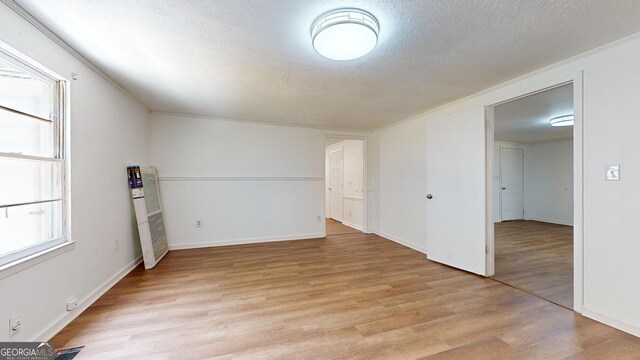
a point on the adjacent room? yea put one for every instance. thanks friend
(344, 182)
(306, 179)
(533, 194)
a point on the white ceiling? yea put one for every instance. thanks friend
(253, 59)
(526, 120)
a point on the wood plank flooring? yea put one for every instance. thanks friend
(337, 228)
(356, 296)
(537, 257)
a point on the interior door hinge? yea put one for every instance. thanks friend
(486, 249)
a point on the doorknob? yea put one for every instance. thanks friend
(504, 188)
(429, 196)
(329, 188)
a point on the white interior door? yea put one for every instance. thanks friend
(456, 183)
(511, 184)
(335, 184)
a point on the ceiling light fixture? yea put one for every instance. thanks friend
(345, 34)
(564, 120)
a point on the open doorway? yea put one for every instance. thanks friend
(533, 205)
(344, 186)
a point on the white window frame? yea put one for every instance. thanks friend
(24, 258)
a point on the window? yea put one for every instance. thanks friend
(32, 161)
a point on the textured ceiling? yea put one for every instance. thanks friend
(526, 119)
(253, 60)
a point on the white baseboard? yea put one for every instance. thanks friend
(196, 245)
(351, 225)
(618, 324)
(63, 320)
(550, 221)
(406, 243)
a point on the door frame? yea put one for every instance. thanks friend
(365, 176)
(578, 170)
(341, 149)
(500, 175)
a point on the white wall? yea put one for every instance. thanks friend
(611, 96)
(245, 182)
(353, 182)
(353, 168)
(402, 208)
(548, 184)
(108, 131)
(548, 181)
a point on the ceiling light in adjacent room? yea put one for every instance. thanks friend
(564, 120)
(345, 34)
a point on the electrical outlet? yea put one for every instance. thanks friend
(319, 218)
(15, 324)
(116, 243)
(72, 304)
(198, 223)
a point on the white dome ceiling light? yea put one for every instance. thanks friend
(565, 120)
(345, 34)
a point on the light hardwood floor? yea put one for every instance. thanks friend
(353, 296)
(337, 228)
(537, 257)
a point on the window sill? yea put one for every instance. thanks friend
(29, 261)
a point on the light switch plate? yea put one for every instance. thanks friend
(613, 173)
(15, 324)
